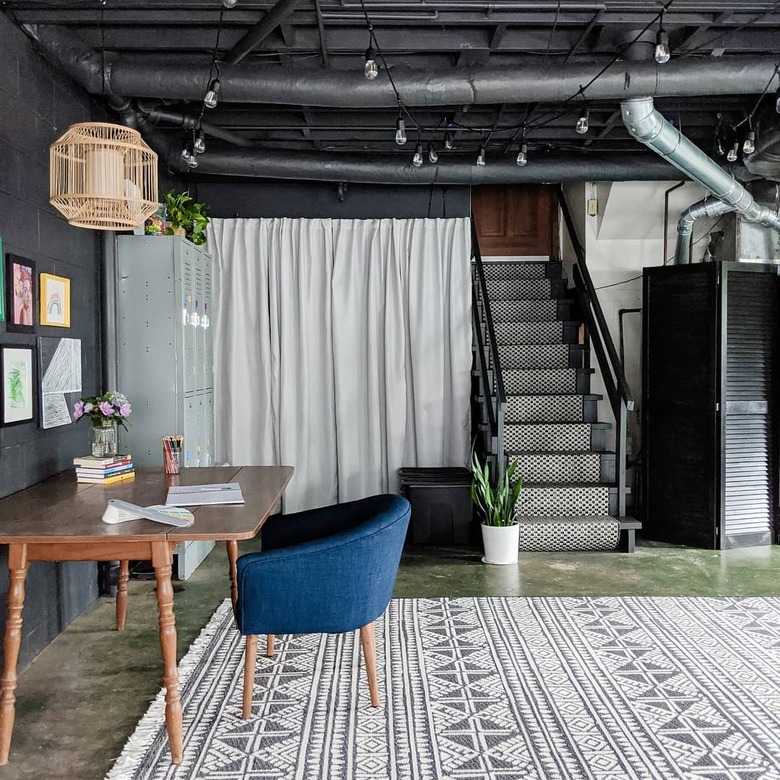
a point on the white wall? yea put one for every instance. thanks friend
(625, 236)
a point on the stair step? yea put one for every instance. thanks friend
(557, 332)
(532, 311)
(587, 467)
(558, 499)
(518, 269)
(545, 533)
(552, 408)
(547, 380)
(528, 356)
(526, 289)
(558, 437)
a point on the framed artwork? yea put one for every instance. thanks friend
(55, 301)
(20, 294)
(59, 369)
(2, 284)
(17, 365)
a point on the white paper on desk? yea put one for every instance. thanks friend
(199, 495)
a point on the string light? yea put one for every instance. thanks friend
(229, 3)
(750, 143)
(583, 122)
(481, 156)
(400, 131)
(732, 155)
(662, 51)
(370, 68)
(448, 138)
(433, 155)
(189, 157)
(417, 160)
(212, 96)
(522, 155)
(199, 142)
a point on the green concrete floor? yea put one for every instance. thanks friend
(81, 698)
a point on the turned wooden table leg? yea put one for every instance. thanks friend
(232, 553)
(162, 559)
(121, 595)
(17, 573)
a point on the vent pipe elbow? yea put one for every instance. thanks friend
(709, 207)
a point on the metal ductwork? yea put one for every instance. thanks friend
(536, 81)
(651, 128)
(709, 207)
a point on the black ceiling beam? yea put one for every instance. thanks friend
(585, 33)
(702, 33)
(261, 31)
(321, 30)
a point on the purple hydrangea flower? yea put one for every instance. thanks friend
(106, 408)
(125, 409)
(78, 410)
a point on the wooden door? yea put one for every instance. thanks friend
(516, 220)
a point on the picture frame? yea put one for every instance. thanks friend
(17, 368)
(59, 374)
(20, 294)
(55, 301)
(2, 283)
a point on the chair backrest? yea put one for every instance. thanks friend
(334, 583)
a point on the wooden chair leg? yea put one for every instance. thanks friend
(368, 644)
(121, 595)
(250, 655)
(269, 646)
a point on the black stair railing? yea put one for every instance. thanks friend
(492, 396)
(603, 346)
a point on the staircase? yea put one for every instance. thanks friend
(551, 430)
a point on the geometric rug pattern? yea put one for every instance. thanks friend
(488, 689)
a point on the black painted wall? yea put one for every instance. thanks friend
(320, 200)
(38, 105)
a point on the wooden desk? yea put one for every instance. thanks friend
(60, 520)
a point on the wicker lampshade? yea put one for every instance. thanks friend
(103, 176)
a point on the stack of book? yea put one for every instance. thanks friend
(104, 471)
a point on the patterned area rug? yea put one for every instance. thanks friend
(489, 689)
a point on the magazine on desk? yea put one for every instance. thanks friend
(201, 495)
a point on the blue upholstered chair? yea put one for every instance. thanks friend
(328, 570)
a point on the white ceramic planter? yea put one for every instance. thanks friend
(501, 543)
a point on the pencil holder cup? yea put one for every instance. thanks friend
(171, 455)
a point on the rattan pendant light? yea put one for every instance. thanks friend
(103, 176)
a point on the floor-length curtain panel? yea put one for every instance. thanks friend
(402, 348)
(356, 336)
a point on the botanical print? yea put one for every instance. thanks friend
(22, 294)
(17, 384)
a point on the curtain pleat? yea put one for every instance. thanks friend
(343, 348)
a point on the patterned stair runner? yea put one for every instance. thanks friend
(552, 432)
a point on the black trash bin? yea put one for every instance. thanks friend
(442, 511)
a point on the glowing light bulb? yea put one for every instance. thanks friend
(583, 124)
(662, 50)
(750, 143)
(199, 144)
(229, 3)
(522, 155)
(400, 132)
(417, 160)
(193, 161)
(433, 155)
(481, 156)
(448, 142)
(732, 155)
(212, 96)
(370, 68)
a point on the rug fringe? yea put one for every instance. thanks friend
(149, 728)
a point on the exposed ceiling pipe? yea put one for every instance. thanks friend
(651, 128)
(534, 81)
(190, 122)
(273, 18)
(709, 207)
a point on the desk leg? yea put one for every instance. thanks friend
(17, 573)
(232, 553)
(162, 558)
(121, 595)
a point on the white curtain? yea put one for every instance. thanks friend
(342, 348)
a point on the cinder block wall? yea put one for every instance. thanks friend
(38, 105)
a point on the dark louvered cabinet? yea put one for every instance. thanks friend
(710, 408)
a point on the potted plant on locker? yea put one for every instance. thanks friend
(496, 502)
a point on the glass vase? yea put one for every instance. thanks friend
(104, 440)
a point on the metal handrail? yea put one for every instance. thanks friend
(603, 345)
(491, 360)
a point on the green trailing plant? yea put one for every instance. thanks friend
(181, 211)
(495, 499)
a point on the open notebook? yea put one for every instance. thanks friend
(199, 495)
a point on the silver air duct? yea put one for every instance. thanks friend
(651, 128)
(709, 207)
